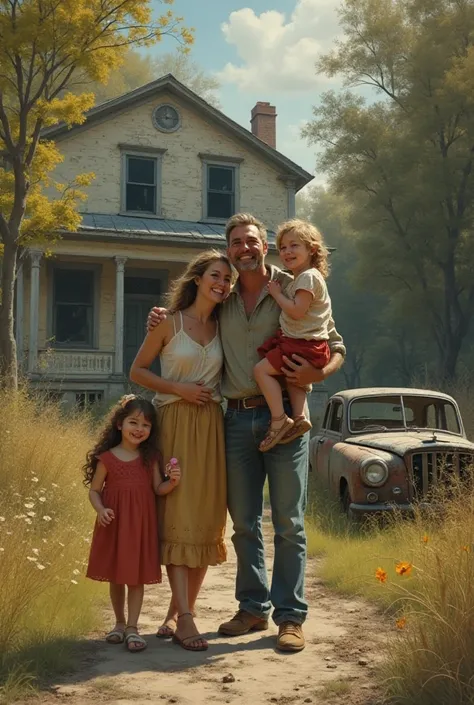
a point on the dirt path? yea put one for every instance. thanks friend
(344, 639)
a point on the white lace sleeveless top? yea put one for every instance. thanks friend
(185, 360)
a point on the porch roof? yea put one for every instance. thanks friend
(118, 227)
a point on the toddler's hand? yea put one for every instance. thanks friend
(274, 288)
(105, 516)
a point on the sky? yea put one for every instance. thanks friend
(264, 50)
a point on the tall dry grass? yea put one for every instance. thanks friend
(45, 529)
(430, 659)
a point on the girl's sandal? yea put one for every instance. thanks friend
(134, 638)
(275, 434)
(187, 642)
(116, 636)
(300, 427)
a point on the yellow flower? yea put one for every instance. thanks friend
(381, 575)
(403, 568)
(400, 623)
(465, 548)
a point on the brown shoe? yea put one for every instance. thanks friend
(242, 623)
(290, 637)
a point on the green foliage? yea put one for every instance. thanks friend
(405, 161)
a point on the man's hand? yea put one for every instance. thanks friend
(274, 288)
(156, 316)
(105, 516)
(300, 372)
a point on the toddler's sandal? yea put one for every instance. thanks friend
(299, 428)
(140, 643)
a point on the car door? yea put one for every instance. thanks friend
(332, 434)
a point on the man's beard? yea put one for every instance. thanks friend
(251, 265)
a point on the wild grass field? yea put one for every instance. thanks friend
(422, 573)
(45, 528)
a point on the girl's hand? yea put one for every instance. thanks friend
(174, 474)
(274, 288)
(105, 516)
(195, 393)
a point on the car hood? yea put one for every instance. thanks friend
(400, 442)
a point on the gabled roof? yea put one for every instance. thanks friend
(170, 84)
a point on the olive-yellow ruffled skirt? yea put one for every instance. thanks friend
(192, 517)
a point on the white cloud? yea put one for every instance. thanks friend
(277, 54)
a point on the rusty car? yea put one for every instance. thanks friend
(380, 449)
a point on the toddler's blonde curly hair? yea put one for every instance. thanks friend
(311, 237)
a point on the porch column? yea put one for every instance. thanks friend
(35, 257)
(19, 309)
(119, 312)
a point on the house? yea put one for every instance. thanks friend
(169, 170)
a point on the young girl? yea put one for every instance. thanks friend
(305, 314)
(123, 472)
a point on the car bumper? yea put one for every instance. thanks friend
(361, 510)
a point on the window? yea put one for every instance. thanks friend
(220, 191)
(73, 307)
(336, 417)
(141, 184)
(85, 400)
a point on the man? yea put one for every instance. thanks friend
(248, 317)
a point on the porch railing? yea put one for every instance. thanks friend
(63, 363)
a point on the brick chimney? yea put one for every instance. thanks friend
(263, 121)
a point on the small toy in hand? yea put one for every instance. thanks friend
(173, 471)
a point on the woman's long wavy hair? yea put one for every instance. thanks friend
(111, 435)
(183, 290)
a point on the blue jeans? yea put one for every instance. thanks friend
(287, 469)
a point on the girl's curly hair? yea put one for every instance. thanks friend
(311, 237)
(111, 435)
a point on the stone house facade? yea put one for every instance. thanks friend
(169, 170)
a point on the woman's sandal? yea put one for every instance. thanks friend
(116, 636)
(165, 631)
(300, 427)
(186, 643)
(134, 637)
(275, 434)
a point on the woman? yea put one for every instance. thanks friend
(192, 519)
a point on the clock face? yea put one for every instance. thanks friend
(166, 118)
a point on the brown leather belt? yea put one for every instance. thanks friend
(250, 402)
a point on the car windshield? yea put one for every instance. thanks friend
(392, 412)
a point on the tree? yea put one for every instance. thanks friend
(138, 69)
(43, 45)
(406, 161)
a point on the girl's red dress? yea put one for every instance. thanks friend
(126, 551)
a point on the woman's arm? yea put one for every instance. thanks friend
(104, 515)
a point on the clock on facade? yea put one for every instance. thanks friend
(166, 118)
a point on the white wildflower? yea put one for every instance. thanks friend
(1, 549)
(28, 521)
(42, 499)
(44, 540)
(9, 533)
(29, 505)
(54, 484)
(31, 514)
(40, 567)
(35, 551)
(47, 518)
(34, 479)
(20, 516)
(61, 544)
(76, 572)
(2, 518)
(31, 558)
(74, 582)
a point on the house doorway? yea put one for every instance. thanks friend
(142, 291)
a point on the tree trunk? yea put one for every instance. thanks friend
(8, 360)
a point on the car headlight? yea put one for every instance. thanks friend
(374, 472)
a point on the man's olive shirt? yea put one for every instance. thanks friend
(241, 335)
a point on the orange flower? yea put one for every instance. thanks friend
(400, 623)
(381, 575)
(465, 548)
(425, 538)
(403, 568)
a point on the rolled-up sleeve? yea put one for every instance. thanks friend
(335, 341)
